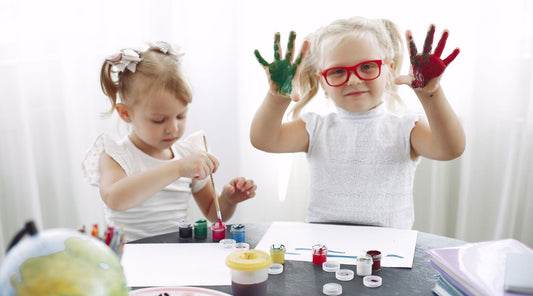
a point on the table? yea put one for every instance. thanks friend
(305, 278)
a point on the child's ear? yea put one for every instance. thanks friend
(122, 111)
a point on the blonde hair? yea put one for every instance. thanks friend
(160, 69)
(388, 38)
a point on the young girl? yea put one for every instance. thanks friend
(362, 159)
(146, 178)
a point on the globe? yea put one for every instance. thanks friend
(61, 262)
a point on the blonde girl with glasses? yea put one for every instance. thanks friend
(146, 178)
(362, 158)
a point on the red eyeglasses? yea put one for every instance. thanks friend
(367, 70)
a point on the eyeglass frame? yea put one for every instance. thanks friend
(354, 70)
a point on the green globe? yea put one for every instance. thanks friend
(61, 262)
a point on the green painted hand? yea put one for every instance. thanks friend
(282, 72)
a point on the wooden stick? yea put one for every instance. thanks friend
(217, 206)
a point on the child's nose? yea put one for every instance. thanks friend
(353, 78)
(172, 127)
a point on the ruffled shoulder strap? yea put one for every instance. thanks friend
(116, 149)
(89, 163)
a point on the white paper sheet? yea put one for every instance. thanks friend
(397, 246)
(202, 264)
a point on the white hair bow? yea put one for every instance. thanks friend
(166, 48)
(125, 59)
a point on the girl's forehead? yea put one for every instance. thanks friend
(350, 49)
(162, 102)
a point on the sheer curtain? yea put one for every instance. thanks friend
(51, 53)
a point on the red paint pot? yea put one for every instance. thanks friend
(219, 231)
(376, 259)
(320, 254)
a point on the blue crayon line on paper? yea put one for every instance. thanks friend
(396, 256)
(338, 252)
(342, 256)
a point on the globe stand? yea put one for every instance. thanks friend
(29, 228)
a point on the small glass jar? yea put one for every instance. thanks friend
(320, 254)
(277, 252)
(364, 265)
(238, 232)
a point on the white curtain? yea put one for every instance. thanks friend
(51, 53)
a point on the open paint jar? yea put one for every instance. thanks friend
(200, 229)
(218, 231)
(364, 265)
(277, 252)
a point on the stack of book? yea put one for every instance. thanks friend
(483, 268)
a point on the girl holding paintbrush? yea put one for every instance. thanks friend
(146, 179)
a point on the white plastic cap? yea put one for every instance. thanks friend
(275, 268)
(331, 266)
(372, 281)
(332, 289)
(344, 275)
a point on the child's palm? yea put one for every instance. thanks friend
(427, 66)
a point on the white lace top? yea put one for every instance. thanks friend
(163, 211)
(361, 171)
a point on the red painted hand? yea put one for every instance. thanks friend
(427, 66)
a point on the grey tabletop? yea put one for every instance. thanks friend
(305, 278)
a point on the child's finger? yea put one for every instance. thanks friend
(404, 79)
(290, 46)
(413, 51)
(295, 95)
(451, 57)
(429, 41)
(277, 49)
(442, 43)
(247, 185)
(212, 162)
(260, 59)
(303, 53)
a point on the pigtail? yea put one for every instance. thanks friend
(309, 83)
(308, 86)
(109, 86)
(396, 43)
(395, 103)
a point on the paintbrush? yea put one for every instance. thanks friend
(217, 206)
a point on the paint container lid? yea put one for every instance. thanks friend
(331, 266)
(237, 228)
(372, 281)
(242, 246)
(200, 223)
(184, 224)
(332, 289)
(364, 259)
(248, 260)
(277, 248)
(227, 243)
(344, 275)
(275, 268)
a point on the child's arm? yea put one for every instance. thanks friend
(121, 192)
(267, 132)
(442, 138)
(236, 191)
